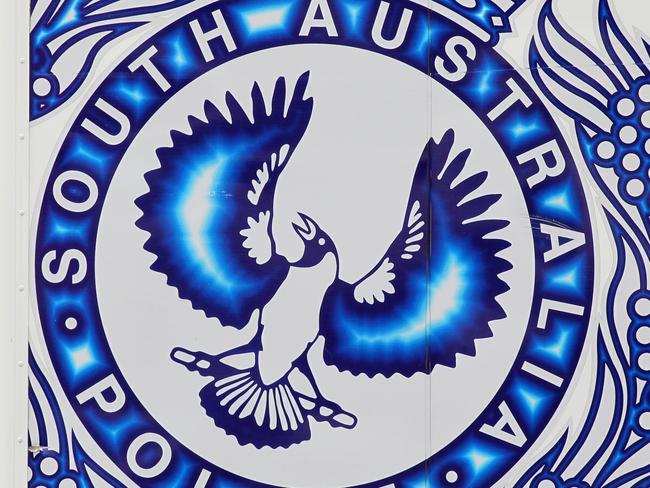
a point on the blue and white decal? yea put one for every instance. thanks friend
(252, 226)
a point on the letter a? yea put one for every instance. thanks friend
(571, 240)
(325, 21)
(516, 437)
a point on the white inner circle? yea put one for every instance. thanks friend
(644, 361)
(644, 93)
(643, 335)
(402, 421)
(644, 421)
(631, 162)
(634, 187)
(41, 87)
(606, 150)
(451, 476)
(625, 107)
(546, 484)
(71, 323)
(49, 466)
(628, 134)
(645, 119)
(642, 307)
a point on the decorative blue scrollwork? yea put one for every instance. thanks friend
(57, 459)
(610, 449)
(491, 16)
(610, 103)
(66, 37)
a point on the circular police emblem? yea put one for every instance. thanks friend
(331, 244)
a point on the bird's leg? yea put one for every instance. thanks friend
(203, 363)
(239, 358)
(320, 408)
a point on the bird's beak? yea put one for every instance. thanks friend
(306, 228)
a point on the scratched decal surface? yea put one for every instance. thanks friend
(336, 243)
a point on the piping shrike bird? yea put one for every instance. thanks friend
(427, 299)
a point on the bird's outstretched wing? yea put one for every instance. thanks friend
(209, 206)
(433, 293)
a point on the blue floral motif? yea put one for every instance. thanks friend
(64, 25)
(613, 127)
(69, 465)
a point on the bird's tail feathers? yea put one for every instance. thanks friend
(255, 413)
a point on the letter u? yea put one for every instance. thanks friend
(380, 21)
(112, 139)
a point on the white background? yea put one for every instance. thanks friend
(13, 197)
(13, 243)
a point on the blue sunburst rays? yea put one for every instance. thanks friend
(428, 315)
(62, 230)
(482, 85)
(553, 348)
(524, 127)
(533, 398)
(194, 211)
(137, 91)
(69, 15)
(476, 461)
(179, 56)
(567, 278)
(228, 483)
(439, 301)
(368, 343)
(470, 464)
(480, 459)
(427, 35)
(196, 204)
(559, 203)
(66, 303)
(81, 356)
(118, 427)
(180, 53)
(357, 13)
(82, 154)
(448, 292)
(257, 21)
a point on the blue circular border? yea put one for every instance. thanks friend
(477, 459)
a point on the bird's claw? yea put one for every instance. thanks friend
(197, 361)
(323, 410)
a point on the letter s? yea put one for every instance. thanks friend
(61, 272)
(459, 65)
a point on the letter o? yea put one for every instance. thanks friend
(160, 466)
(69, 205)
